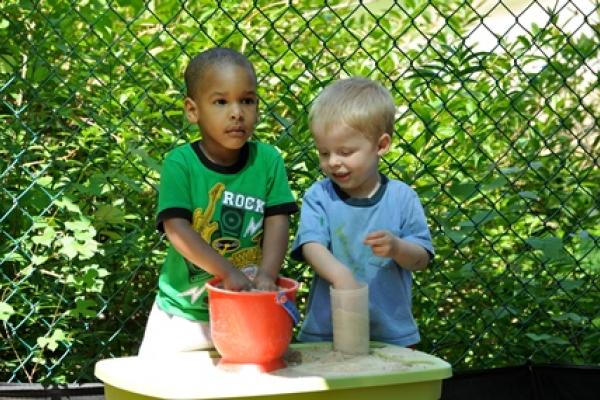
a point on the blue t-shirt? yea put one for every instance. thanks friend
(340, 223)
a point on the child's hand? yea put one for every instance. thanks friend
(237, 281)
(382, 243)
(264, 281)
(345, 280)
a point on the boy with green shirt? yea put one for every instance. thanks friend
(223, 203)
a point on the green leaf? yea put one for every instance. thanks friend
(480, 218)
(457, 237)
(470, 70)
(6, 311)
(7, 64)
(38, 260)
(68, 204)
(569, 317)
(529, 195)
(467, 270)
(46, 238)
(464, 191)
(148, 161)
(87, 249)
(51, 342)
(83, 307)
(536, 165)
(446, 131)
(14, 256)
(495, 183)
(544, 337)
(107, 214)
(44, 181)
(93, 186)
(68, 247)
(136, 5)
(570, 284)
(422, 111)
(511, 170)
(113, 235)
(551, 246)
(79, 226)
(423, 73)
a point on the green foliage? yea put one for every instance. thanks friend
(500, 145)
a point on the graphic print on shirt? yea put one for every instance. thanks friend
(202, 220)
(238, 228)
(201, 223)
(356, 267)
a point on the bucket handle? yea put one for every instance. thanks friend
(288, 306)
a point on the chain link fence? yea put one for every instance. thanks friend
(497, 130)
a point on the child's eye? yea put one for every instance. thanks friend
(345, 152)
(220, 102)
(249, 101)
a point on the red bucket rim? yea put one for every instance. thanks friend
(210, 286)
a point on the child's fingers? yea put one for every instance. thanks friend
(374, 237)
(379, 253)
(375, 234)
(372, 243)
(265, 284)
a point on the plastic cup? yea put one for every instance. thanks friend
(350, 319)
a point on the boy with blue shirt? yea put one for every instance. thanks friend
(357, 225)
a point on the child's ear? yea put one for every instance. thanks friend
(191, 110)
(384, 143)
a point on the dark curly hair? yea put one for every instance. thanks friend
(210, 58)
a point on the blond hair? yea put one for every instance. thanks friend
(360, 103)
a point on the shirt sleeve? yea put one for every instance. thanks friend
(280, 199)
(174, 199)
(414, 228)
(313, 225)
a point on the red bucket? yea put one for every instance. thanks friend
(251, 329)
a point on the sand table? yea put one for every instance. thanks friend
(388, 372)
(382, 358)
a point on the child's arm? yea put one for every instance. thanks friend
(328, 267)
(274, 248)
(191, 246)
(407, 254)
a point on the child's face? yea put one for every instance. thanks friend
(225, 109)
(350, 158)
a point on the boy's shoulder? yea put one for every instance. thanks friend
(398, 187)
(398, 184)
(179, 150)
(324, 185)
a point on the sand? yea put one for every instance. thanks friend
(350, 331)
(317, 360)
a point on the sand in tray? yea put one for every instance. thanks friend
(324, 361)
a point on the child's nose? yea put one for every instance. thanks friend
(236, 111)
(334, 160)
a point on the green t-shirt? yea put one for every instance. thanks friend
(226, 206)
